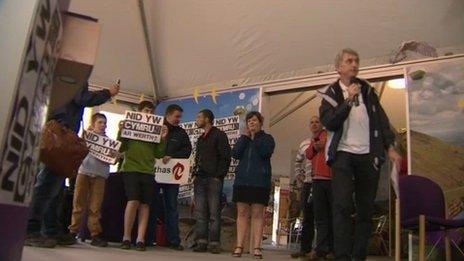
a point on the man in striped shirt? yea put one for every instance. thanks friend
(303, 172)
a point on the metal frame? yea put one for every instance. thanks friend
(371, 72)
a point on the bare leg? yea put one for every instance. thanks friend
(257, 218)
(243, 214)
(129, 218)
(144, 213)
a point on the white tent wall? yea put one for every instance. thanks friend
(221, 43)
(229, 43)
(293, 129)
(122, 52)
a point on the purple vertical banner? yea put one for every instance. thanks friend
(19, 147)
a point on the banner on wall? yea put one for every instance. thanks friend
(230, 125)
(142, 126)
(19, 152)
(436, 116)
(229, 112)
(102, 147)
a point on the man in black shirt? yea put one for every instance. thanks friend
(178, 146)
(212, 162)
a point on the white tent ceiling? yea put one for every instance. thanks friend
(218, 43)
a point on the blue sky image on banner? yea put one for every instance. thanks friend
(227, 102)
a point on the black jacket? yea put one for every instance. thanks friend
(212, 156)
(335, 109)
(70, 115)
(178, 143)
(254, 168)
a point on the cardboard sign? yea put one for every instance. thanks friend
(185, 191)
(102, 147)
(19, 160)
(142, 126)
(176, 171)
(231, 126)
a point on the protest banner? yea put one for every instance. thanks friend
(142, 126)
(102, 147)
(176, 171)
(230, 125)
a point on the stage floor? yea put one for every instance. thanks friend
(86, 252)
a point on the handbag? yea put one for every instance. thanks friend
(61, 149)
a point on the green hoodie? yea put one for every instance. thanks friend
(139, 156)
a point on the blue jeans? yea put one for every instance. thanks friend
(170, 193)
(165, 203)
(207, 197)
(43, 215)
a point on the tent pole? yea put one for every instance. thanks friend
(283, 116)
(286, 106)
(146, 34)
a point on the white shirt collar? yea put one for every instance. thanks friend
(343, 86)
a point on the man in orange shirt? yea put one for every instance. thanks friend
(322, 191)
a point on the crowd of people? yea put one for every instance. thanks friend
(340, 165)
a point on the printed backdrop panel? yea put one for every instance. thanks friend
(229, 110)
(436, 118)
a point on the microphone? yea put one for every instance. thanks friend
(355, 97)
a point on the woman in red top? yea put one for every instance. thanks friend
(322, 191)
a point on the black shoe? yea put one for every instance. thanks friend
(330, 256)
(140, 246)
(298, 254)
(99, 242)
(215, 249)
(200, 248)
(40, 241)
(177, 247)
(126, 244)
(314, 256)
(66, 239)
(31, 238)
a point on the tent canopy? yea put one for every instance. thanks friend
(225, 43)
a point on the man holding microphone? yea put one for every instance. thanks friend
(359, 135)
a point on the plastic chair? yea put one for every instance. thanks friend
(423, 209)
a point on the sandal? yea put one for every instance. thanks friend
(237, 254)
(260, 255)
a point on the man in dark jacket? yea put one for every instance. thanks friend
(178, 146)
(359, 134)
(43, 210)
(212, 160)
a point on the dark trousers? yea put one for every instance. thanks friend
(207, 198)
(43, 212)
(307, 231)
(156, 212)
(322, 201)
(353, 173)
(171, 215)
